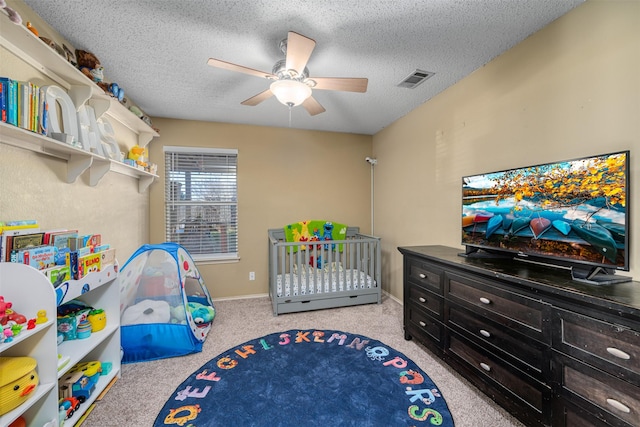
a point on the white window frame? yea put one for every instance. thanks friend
(214, 238)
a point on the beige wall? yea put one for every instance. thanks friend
(570, 90)
(284, 176)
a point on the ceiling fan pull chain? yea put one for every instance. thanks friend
(289, 115)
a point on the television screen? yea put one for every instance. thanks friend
(573, 211)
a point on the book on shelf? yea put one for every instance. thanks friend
(88, 264)
(9, 87)
(13, 243)
(58, 274)
(39, 257)
(8, 229)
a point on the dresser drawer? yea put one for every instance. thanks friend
(431, 303)
(423, 274)
(527, 352)
(509, 309)
(600, 392)
(526, 390)
(425, 325)
(611, 347)
(567, 415)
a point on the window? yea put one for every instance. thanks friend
(201, 203)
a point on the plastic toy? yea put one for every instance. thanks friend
(41, 317)
(19, 422)
(12, 318)
(4, 306)
(70, 405)
(80, 382)
(98, 319)
(32, 29)
(18, 381)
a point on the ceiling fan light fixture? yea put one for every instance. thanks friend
(290, 92)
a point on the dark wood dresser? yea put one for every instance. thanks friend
(551, 351)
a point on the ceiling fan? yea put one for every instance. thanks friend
(291, 82)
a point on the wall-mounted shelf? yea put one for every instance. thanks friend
(25, 45)
(78, 160)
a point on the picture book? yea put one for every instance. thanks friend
(72, 263)
(40, 257)
(58, 274)
(22, 241)
(107, 257)
(10, 100)
(88, 264)
(60, 239)
(6, 238)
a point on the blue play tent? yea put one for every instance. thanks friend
(165, 308)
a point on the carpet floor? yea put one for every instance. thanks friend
(142, 391)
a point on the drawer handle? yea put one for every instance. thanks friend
(484, 333)
(618, 405)
(422, 300)
(485, 300)
(422, 275)
(422, 324)
(618, 353)
(485, 367)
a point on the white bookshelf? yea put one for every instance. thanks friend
(30, 291)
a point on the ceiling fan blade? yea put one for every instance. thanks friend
(343, 84)
(299, 50)
(234, 67)
(257, 99)
(312, 106)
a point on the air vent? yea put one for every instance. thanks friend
(415, 78)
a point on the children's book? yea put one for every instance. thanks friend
(22, 241)
(72, 263)
(6, 238)
(88, 264)
(10, 100)
(58, 274)
(40, 257)
(107, 257)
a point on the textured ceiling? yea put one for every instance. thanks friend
(157, 50)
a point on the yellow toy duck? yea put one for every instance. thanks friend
(41, 317)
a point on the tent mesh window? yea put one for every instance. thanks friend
(201, 204)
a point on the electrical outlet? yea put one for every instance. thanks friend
(252, 275)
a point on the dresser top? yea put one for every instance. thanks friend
(554, 281)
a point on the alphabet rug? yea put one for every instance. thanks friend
(307, 378)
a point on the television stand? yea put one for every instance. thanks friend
(597, 276)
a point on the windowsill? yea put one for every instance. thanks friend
(217, 260)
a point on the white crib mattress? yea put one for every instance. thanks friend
(347, 280)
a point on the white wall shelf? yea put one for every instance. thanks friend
(78, 160)
(25, 45)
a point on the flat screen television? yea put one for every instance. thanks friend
(572, 214)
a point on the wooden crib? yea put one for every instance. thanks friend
(316, 275)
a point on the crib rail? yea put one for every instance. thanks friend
(326, 272)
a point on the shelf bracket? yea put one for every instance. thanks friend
(144, 138)
(79, 95)
(98, 169)
(144, 182)
(77, 164)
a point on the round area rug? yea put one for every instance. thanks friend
(307, 378)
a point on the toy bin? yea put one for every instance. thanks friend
(18, 381)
